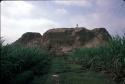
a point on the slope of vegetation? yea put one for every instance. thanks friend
(19, 65)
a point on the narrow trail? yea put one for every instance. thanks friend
(64, 73)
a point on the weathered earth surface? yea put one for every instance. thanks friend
(30, 39)
(63, 40)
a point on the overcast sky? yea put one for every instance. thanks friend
(18, 17)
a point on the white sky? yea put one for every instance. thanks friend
(18, 17)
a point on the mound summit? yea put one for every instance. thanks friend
(64, 40)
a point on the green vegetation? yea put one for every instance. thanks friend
(84, 78)
(21, 64)
(71, 74)
(109, 59)
(102, 65)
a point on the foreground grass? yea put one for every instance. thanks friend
(19, 65)
(102, 65)
(75, 78)
(71, 75)
(84, 78)
(109, 59)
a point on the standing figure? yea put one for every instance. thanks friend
(76, 25)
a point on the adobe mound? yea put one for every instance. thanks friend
(64, 40)
(61, 41)
(30, 39)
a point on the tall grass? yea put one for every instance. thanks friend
(21, 64)
(109, 59)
